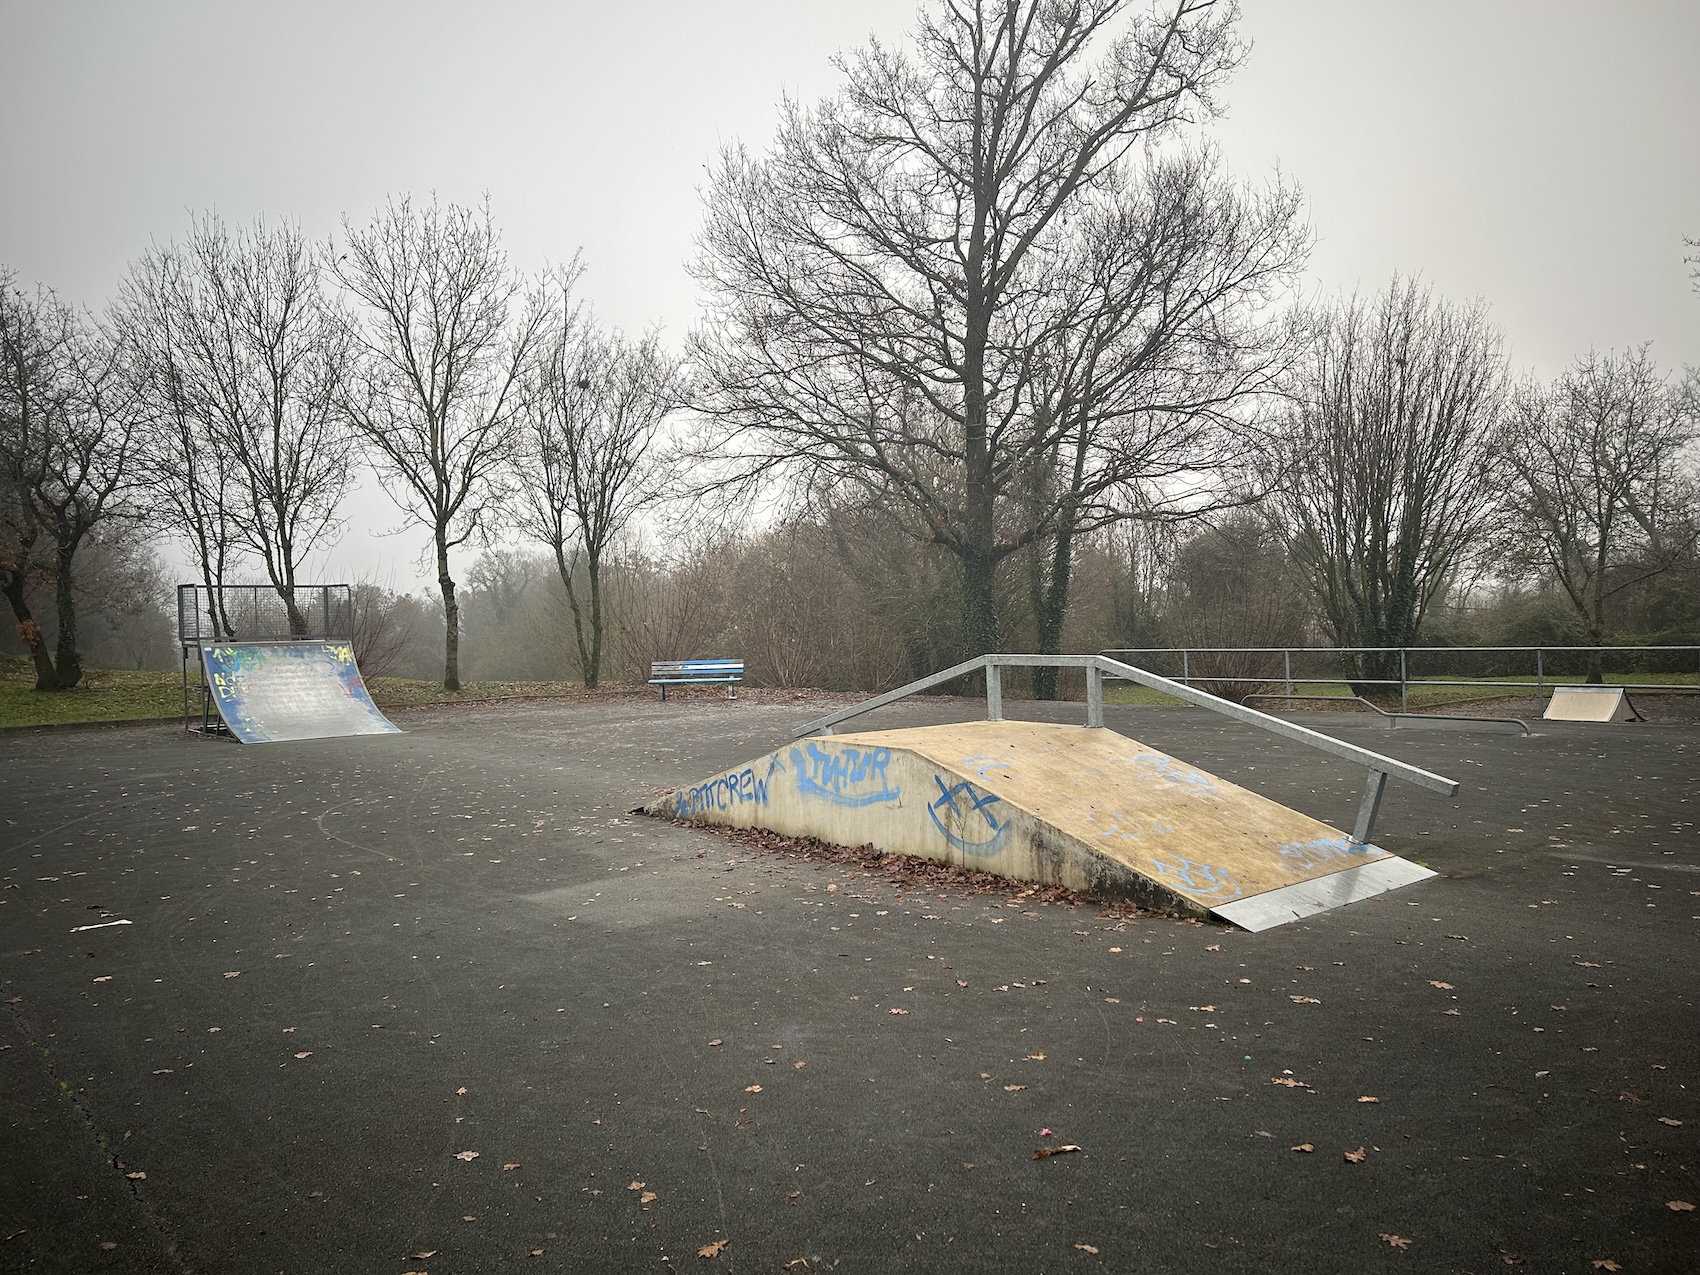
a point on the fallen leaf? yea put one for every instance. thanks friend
(1304, 1000)
(232, 973)
(752, 1088)
(510, 1167)
(1287, 1082)
(897, 1011)
(305, 1053)
(536, 1252)
(466, 1155)
(1675, 1124)
(1213, 947)
(1112, 1000)
(712, 1250)
(1045, 1153)
(1369, 1098)
(104, 978)
(461, 1090)
(1356, 1157)
(635, 1185)
(1087, 1248)
(716, 1042)
(163, 1071)
(425, 1253)
(1306, 1147)
(648, 1197)
(108, 1245)
(1037, 1057)
(1013, 1088)
(1462, 938)
(798, 1065)
(287, 1030)
(1605, 1264)
(962, 982)
(1203, 1009)
(1511, 1259)
(1435, 982)
(1397, 1241)
(1679, 1206)
(1587, 965)
(137, 1177)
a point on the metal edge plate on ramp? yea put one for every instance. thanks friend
(1076, 806)
(272, 692)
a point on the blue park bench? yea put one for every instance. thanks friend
(665, 673)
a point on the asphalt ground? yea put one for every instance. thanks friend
(349, 965)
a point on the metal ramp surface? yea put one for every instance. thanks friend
(269, 692)
(1077, 806)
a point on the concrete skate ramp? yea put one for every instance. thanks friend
(1072, 805)
(1590, 704)
(268, 692)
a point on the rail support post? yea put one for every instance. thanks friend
(1094, 695)
(994, 692)
(1374, 786)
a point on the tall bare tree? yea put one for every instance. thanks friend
(191, 476)
(444, 336)
(871, 281)
(244, 355)
(1390, 459)
(1601, 499)
(67, 430)
(594, 409)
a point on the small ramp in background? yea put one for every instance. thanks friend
(1590, 704)
(1077, 806)
(269, 692)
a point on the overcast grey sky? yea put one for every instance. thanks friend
(1538, 154)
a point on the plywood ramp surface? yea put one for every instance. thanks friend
(1082, 807)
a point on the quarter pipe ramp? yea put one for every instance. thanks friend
(269, 692)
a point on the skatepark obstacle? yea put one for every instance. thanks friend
(266, 669)
(1590, 704)
(1077, 806)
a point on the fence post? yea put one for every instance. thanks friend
(1540, 678)
(1287, 662)
(1404, 683)
(1186, 674)
(1094, 695)
(994, 692)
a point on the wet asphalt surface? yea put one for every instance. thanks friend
(351, 964)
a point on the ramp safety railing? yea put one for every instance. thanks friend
(1098, 667)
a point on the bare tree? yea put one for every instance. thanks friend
(595, 406)
(442, 352)
(870, 280)
(242, 357)
(1601, 500)
(1390, 459)
(67, 428)
(189, 474)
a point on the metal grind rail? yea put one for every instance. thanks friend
(1098, 667)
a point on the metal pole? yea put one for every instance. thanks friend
(1540, 678)
(1094, 695)
(1287, 660)
(994, 692)
(1364, 829)
(1186, 673)
(1404, 683)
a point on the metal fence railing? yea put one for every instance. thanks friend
(260, 613)
(1277, 670)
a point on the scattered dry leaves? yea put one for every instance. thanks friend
(1605, 1264)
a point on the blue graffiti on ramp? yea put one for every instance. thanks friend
(1199, 879)
(982, 833)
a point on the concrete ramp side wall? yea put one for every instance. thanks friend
(272, 692)
(856, 791)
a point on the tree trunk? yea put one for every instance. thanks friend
(68, 661)
(29, 632)
(1048, 622)
(593, 670)
(451, 615)
(587, 663)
